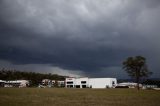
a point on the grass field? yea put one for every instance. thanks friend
(78, 97)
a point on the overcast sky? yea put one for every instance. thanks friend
(79, 37)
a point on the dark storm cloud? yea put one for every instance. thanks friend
(90, 36)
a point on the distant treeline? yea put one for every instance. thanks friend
(33, 77)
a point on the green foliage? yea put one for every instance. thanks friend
(136, 67)
(34, 78)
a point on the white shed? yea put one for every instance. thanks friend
(102, 82)
(85, 82)
(2, 82)
(17, 83)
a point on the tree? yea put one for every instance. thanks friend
(136, 67)
(34, 77)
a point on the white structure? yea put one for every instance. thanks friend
(16, 83)
(102, 82)
(2, 82)
(128, 84)
(48, 82)
(149, 86)
(91, 82)
(23, 83)
(61, 83)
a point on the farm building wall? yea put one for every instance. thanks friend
(102, 82)
(90, 82)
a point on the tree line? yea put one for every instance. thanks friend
(33, 77)
(136, 68)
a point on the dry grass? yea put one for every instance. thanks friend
(78, 97)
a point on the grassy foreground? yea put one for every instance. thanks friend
(78, 97)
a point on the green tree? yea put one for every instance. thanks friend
(33, 77)
(136, 67)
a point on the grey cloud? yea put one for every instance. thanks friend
(79, 35)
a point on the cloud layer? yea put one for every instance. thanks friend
(93, 37)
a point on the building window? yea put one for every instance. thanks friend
(69, 86)
(84, 86)
(71, 82)
(113, 82)
(83, 82)
(77, 86)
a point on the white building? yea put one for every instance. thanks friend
(149, 86)
(48, 82)
(102, 82)
(2, 82)
(61, 83)
(128, 84)
(91, 82)
(16, 83)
